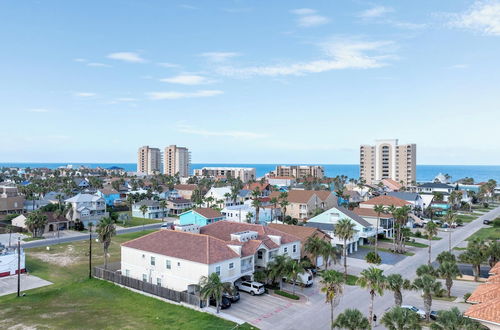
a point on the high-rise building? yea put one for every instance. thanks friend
(148, 160)
(388, 160)
(176, 160)
(245, 174)
(300, 171)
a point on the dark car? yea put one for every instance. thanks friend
(225, 303)
(313, 270)
(234, 296)
(434, 315)
(487, 222)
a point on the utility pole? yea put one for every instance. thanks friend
(90, 250)
(18, 266)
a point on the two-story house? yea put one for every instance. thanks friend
(303, 203)
(200, 216)
(10, 200)
(154, 210)
(178, 205)
(110, 195)
(87, 208)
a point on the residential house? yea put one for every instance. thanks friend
(110, 195)
(281, 181)
(264, 188)
(52, 197)
(303, 203)
(354, 196)
(416, 201)
(246, 213)
(54, 222)
(327, 221)
(81, 183)
(391, 185)
(221, 197)
(178, 205)
(10, 199)
(185, 190)
(435, 187)
(385, 222)
(304, 233)
(200, 216)
(388, 201)
(154, 210)
(87, 208)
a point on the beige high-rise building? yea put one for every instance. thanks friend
(176, 160)
(148, 160)
(388, 160)
(300, 171)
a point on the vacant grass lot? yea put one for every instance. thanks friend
(488, 233)
(76, 302)
(466, 218)
(135, 221)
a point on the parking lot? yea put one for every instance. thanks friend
(8, 284)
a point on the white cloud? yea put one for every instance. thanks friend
(80, 60)
(39, 110)
(340, 55)
(187, 79)
(407, 25)
(85, 94)
(377, 11)
(126, 57)
(168, 65)
(172, 95)
(483, 16)
(234, 134)
(312, 20)
(303, 11)
(97, 64)
(219, 56)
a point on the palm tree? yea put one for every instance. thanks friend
(105, 230)
(144, 209)
(332, 284)
(278, 268)
(401, 319)
(293, 269)
(429, 285)
(396, 283)
(450, 218)
(249, 217)
(212, 287)
(475, 255)
(493, 252)
(329, 253)
(256, 203)
(274, 202)
(344, 230)
(36, 221)
(446, 256)
(431, 230)
(163, 206)
(283, 198)
(379, 209)
(314, 247)
(351, 319)
(448, 270)
(453, 319)
(374, 280)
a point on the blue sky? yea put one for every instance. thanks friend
(249, 81)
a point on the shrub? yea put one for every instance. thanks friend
(441, 293)
(373, 258)
(418, 234)
(486, 205)
(287, 295)
(467, 295)
(496, 223)
(459, 222)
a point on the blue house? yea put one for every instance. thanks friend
(200, 216)
(110, 195)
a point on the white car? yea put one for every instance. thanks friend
(420, 312)
(254, 288)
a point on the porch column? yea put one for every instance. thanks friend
(356, 246)
(350, 248)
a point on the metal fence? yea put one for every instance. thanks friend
(150, 288)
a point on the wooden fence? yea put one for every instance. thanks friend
(150, 288)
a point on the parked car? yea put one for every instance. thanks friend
(487, 222)
(225, 302)
(233, 296)
(304, 279)
(254, 288)
(420, 312)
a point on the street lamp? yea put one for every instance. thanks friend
(18, 266)
(90, 250)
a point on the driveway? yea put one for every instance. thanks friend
(4, 238)
(8, 284)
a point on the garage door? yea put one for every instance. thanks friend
(319, 261)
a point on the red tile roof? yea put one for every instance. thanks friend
(366, 212)
(256, 185)
(392, 184)
(487, 311)
(301, 196)
(208, 213)
(387, 201)
(484, 292)
(185, 186)
(194, 247)
(486, 298)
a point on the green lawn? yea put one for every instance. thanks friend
(351, 279)
(409, 254)
(488, 233)
(76, 302)
(414, 244)
(445, 298)
(423, 236)
(466, 218)
(29, 239)
(134, 222)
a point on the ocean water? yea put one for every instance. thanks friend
(424, 172)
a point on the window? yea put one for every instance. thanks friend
(231, 265)
(168, 264)
(153, 261)
(178, 264)
(285, 249)
(217, 270)
(127, 272)
(294, 248)
(145, 277)
(158, 281)
(259, 254)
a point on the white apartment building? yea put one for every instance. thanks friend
(176, 160)
(148, 160)
(388, 160)
(245, 174)
(300, 171)
(178, 259)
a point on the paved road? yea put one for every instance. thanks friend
(51, 241)
(317, 316)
